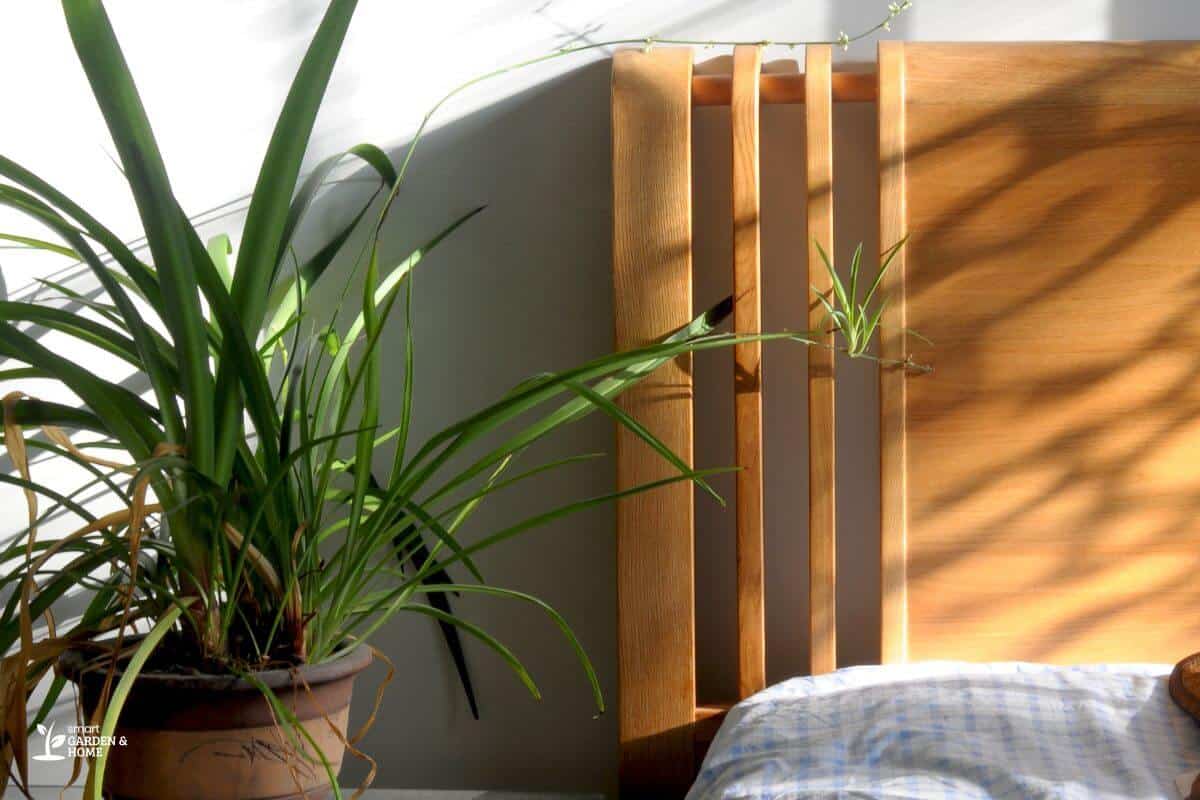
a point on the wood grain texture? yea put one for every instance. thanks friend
(652, 277)
(747, 357)
(893, 226)
(784, 88)
(822, 548)
(1049, 490)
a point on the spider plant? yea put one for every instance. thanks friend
(265, 517)
(857, 320)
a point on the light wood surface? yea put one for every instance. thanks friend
(747, 368)
(822, 549)
(1041, 487)
(652, 277)
(893, 226)
(786, 88)
(660, 718)
(1039, 495)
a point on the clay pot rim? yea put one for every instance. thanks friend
(72, 660)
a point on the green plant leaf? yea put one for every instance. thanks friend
(142, 275)
(295, 730)
(639, 430)
(559, 620)
(74, 325)
(266, 219)
(111, 714)
(855, 268)
(618, 372)
(149, 344)
(166, 231)
(123, 414)
(885, 264)
(39, 244)
(35, 413)
(384, 293)
(219, 249)
(303, 199)
(492, 642)
(568, 509)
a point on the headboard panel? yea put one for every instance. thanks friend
(822, 550)
(664, 727)
(652, 279)
(1041, 488)
(747, 371)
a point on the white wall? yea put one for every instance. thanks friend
(523, 288)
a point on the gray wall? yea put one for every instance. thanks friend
(524, 288)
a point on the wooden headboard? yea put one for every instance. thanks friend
(663, 726)
(1041, 487)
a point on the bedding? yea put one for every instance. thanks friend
(955, 730)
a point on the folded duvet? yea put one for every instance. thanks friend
(954, 730)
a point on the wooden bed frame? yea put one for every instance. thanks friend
(1041, 488)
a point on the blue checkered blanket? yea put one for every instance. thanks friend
(955, 730)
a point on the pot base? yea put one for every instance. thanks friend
(198, 737)
(232, 764)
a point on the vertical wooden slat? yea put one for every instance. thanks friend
(822, 552)
(652, 277)
(892, 227)
(747, 318)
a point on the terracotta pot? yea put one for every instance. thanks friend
(207, 737)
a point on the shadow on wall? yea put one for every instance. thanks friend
(523, 288)
(1154, 19)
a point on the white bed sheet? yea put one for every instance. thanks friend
(939, 730)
